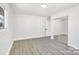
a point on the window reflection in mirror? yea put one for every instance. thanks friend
(1, 18)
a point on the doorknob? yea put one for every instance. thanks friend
(46, 29)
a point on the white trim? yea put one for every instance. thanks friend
(23, 38)
(10, 48)
(73, 46)
(61, 34)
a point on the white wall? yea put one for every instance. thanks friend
(28, 26)
(6, 34)
(60, 26)
(73, 25)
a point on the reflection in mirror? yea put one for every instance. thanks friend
(1, 18)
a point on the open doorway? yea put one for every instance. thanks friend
(61, 29)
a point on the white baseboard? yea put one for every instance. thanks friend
(61, 34)
(73, 46)
(22, 38)
(10, 48)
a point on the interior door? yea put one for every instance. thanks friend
(47, 27)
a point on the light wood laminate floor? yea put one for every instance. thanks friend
(41, 46)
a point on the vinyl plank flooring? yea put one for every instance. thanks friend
(41, 46)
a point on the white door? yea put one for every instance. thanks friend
(47, 27)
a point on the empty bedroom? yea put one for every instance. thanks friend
(39, 28)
